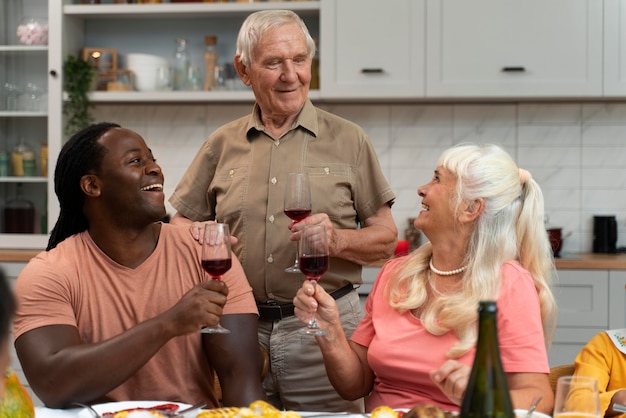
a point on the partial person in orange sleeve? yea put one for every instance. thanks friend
(112, 310)
(604, 357)
(483, 217)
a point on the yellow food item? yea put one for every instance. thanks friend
(384, 412)
(257, 409)
(16, 402)
(142, 413)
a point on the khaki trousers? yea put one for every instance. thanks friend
(297, 378)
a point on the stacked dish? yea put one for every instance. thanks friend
(145, 68)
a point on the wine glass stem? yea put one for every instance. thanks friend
(313, 322)
(297, 262)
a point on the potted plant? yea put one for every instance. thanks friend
(77, 78)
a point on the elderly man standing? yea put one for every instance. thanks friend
(238, 177)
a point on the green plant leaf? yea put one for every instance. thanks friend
(77, 77)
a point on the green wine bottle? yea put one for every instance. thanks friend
(487, 394)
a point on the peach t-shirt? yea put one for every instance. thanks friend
(77, 284)
(402, 353)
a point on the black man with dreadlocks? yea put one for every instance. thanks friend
(112, 310)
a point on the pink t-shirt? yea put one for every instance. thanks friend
(77, 284)
(402, 353)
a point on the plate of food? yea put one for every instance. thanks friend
(134, 409)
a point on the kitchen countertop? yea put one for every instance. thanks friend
(585, 261)
(19, 256)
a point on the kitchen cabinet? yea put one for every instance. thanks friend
(377, 52)
(614, 47)
(139, 28)
(508, 48)
(24, 122)
(583, 310)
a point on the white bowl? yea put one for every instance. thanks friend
(521, 413)
(145, 80)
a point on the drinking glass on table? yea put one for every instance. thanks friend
(577, 397)
(297, 205)
(313, 254)
(216, 259)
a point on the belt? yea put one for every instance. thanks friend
(274, 311)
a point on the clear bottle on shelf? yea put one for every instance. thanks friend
(210, 61)
(181, 64)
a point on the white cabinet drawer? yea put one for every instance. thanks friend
(582, 297)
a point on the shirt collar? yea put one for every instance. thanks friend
(307, 119)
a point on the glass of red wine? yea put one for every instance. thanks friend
(216, 259)
(297, 204)
(314, 262)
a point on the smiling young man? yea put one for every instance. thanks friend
(112, 309)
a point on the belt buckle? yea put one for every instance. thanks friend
(275, 308)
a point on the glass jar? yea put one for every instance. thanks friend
(19, 215)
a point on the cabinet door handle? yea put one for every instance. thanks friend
(53, 73)
(372, 70)
(513, 69)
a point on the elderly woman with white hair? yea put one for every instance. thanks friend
(483, 217)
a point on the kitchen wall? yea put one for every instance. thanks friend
(575, 150)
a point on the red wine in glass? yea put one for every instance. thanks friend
(313, 266)
(297, 214)
(313, 257)
(297, 204)
(216, 268)
(216, 259)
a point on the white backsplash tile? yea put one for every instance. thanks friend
(575, 151)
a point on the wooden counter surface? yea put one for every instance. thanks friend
(20, 256)
(585, 261)
(591, 261)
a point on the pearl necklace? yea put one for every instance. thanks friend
(446, 273)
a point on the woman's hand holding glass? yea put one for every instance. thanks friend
(314, 262)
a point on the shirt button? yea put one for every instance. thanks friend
(274, 181)
(231, 173)
(270, 259)
(327, 170)
(272, 219)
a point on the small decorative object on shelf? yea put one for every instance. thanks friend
(33, 31)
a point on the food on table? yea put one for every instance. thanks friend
(16, 402)
(384, 412)
(427, 411)
(418, 411)
(139, 414)
(143, 412)
(257, 409)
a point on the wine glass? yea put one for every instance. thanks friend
(577, 397)
(297, 204)
(216, 259)
(313, 254)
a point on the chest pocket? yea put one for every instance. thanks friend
(332, 192)
(229, 192)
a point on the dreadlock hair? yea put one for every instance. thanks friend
(81, 155)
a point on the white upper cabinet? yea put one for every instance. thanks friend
(614, 47)
(372, 49)
(511, 48)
